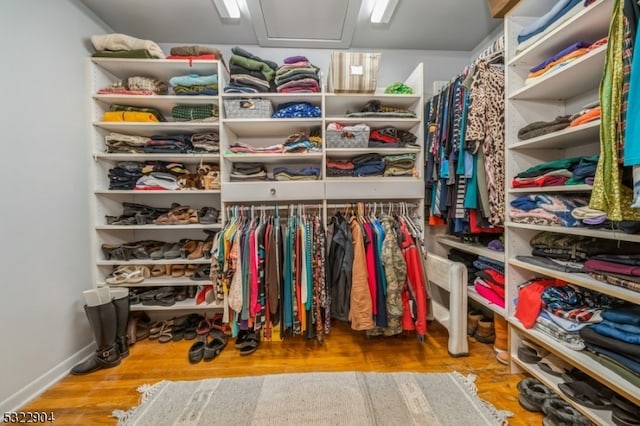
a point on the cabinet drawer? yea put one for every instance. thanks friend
(357, 189)
(272, 191)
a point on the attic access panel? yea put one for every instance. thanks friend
(294, 23)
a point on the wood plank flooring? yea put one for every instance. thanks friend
(90, 399)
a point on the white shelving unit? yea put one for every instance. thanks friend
(257, 132)
(104, 72)
(561, 93)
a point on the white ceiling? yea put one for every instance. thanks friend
(416, 24)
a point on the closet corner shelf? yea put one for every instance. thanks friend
(547, 189)
(583, 362)
(162, 69)
(184, 305)
(192, 158)
(582, 280)
(274, 158)
(476, 297)
(475, 248)
(566, 138)
(573, 79)
(353, 152)
(589, 25)
(264, 127)
(158, 192)
(157, 227)
(597, 233)
(150, 129)
(166, 101)
(150, 262)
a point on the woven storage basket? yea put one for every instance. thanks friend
(348, 138)
(248, 108)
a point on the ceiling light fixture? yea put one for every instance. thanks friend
(382, 11)
(227, 9)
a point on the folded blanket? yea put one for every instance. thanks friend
(137, 116)
(115, 41)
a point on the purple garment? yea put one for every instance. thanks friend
(597, 265)
(594, 220)
(575, 46)
(294, 59)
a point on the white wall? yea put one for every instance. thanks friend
(44, 224)
(45, 221)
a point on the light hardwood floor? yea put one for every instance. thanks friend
(90, 399)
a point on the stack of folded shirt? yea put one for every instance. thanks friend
(621, 270)
(545, 209)
(300, 142)
(374, 108)
(136, 85)
(400, 165)
(121, 143)
(206, 142)
(123, 46)
(249, 73)
(247, 172)
(339, 168)
(586, 115)
(286, 173)
(539, 128)
(368, 165)
(297, 74)
(244, 148)
(390, 137)
(194, 84)
(207, 112)
(161, 144)
(194, 52)
(489, 284)
(560, 12)
(124, 175)
(297, 110)
(616, 339)
(567, 171)
(133, 113)
(562, 58)
(157, 181)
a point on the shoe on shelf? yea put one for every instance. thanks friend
(472, 321)
(485, 333)
(533, 394)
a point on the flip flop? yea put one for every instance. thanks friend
(530, 353)
(587, 395)
(533, 394)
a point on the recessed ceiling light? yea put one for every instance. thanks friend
(382, 11)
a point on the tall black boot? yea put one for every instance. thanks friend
(103, 322)
(122, 319)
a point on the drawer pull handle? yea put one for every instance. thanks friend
(273, 191)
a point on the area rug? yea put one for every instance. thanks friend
(351, 398)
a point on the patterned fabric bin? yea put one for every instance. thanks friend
(353, 72)
(248, 108)
(349, 137)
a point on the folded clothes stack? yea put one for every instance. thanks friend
(567, 171)
(539, 128)
(136, 85)
(121, 143)
(546, 209)
(390, 137)
(368, 165)
(195, 52)
(124, 175)
(206, 141)
(247, 172)
(339, 168)
(297, 74)
(249, 73)
(304, 141)
(287, 173)
(167, 144)
(206, 112)
(194, 84)
(374, 108)
(124, 46)
(133, 113)
(297, 110)
(400, 165)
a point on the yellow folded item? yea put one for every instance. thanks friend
(137, 116)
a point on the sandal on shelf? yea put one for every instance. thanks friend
(530, 353)
(202, 273)
(587, 395)
(558, 412)
(191, 268)
(158, 270)
(166, 335)
(533, 394)
(177, 271)
(553, 365)
(215, 345)
(191, 326)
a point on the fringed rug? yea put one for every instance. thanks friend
(351, 398)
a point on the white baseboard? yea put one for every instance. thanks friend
(48, 379)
